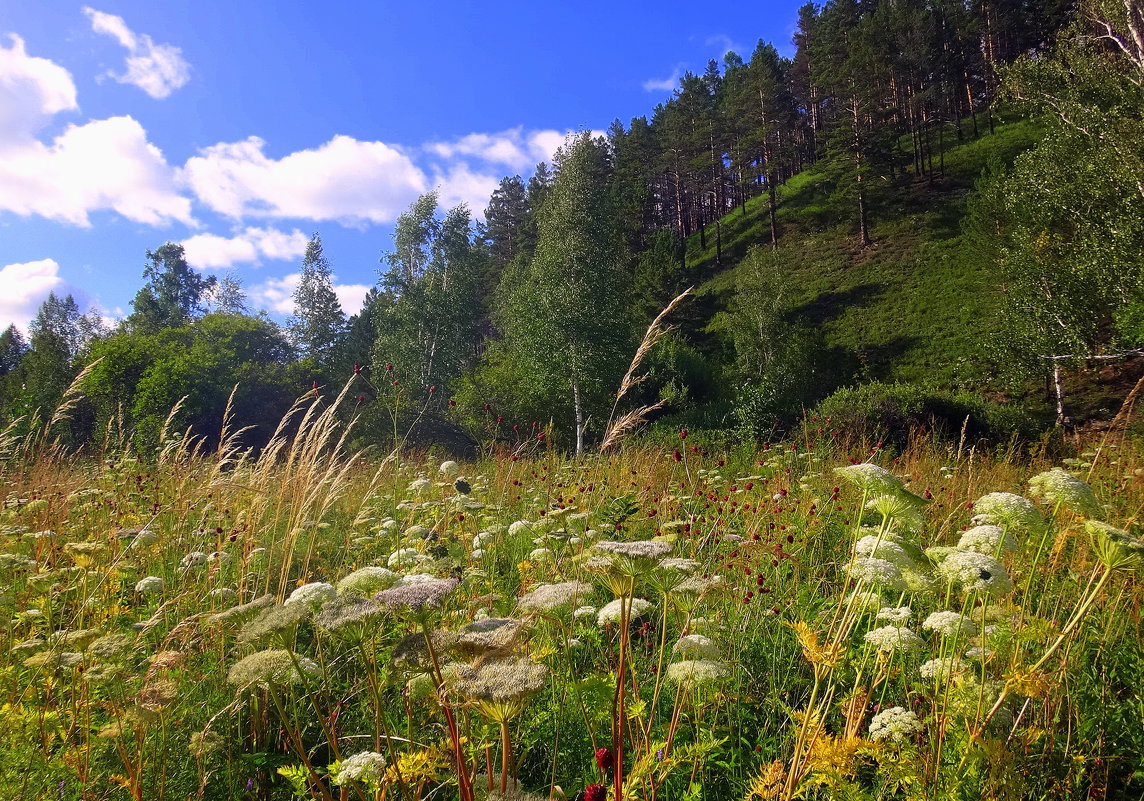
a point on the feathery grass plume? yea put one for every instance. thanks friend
(411, 653)
(696, 646)
(366, 580)
(611, 612)
(1009, 510)
(417, 597)
(895, 724)
(895, 638)
(895, 616)
(552, 598)
(878, 572)
(312, 595)
(1058, 486)
(1115, 548)
(950, 624)
(493, 636)
(988, 539)
(976, 572)
(615, 429)
(279, 620)
(499, 687)
(243, 612)
(348, 615)
(697, 672)
(274, 667)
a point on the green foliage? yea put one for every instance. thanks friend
(319, 323)
(173, 295)
(894, 412)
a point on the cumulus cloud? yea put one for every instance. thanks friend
(277, 294)
(31, 91)
(23, 287)
(157, 69)
(210, 251)
(463, 185)
(725, 44)
(516, 149)
(102, 165)
(345, 180)
(663, 84)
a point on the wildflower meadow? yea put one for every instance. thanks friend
(820, 619)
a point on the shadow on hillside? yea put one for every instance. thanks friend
(877, 360)
(830, 305)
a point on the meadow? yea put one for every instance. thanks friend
(821, 618)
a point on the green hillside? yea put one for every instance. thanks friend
(918, 305)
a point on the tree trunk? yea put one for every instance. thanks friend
(579, 416)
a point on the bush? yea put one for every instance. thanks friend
(892, 412)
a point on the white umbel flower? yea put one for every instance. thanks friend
(610, 613)
(950, 624)
(1058, 486)
(1009, 510)
(941, 670)
(151, 585)
(696, 646)
(368, 767)
(449, 469)
(895, 638)
(312, 595)
(976, 572)
(898, 616)
(877, 571)
(989, 539)
(895, 724)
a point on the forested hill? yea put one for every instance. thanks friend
(944, 194)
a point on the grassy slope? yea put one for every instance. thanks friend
(916, 306)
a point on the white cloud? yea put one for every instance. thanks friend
(23, 287)
(345, 180)
(513, 148)
(663, 84)
(210, 251)
(463, 185)
(31, 91)
(725, 43)
(156, 69)
(351, 296)
(102, 165)
(277, 294)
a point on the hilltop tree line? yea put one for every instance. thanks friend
(530, 317)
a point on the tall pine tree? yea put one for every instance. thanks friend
(318, 323)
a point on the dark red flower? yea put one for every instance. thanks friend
(595, 792)
(677, 456)
(357, 369)
(604, 760)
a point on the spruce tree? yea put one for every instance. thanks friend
(318, 323)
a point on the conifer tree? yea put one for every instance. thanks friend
(173, 294)
(318, 323)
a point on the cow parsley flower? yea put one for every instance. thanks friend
(275, 667)
(368, 767)
(894, 616)
(877, 571)
(151, 585)
(242, 612)
(366, 580)
(881, 548)
(895, 724)
(610, 613)
(312, 595)
(696, 646)
(278, 620)
(552, 597)
(697, 672)
(449, 469)
(417, 597)
(350, 610)
(1009, 510)
(976, 572)
(950, 624)
(895, 638)
(988, 539)
(406, 556)
(1058, 486)
(941, 670)
(871, 478)
(418, 485)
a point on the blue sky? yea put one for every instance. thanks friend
(240, 127)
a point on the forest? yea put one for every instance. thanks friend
(781, 444)
(934, 205)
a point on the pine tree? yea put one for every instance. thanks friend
(13, 347)
(318, 323)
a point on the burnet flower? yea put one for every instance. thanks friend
(895, 724)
